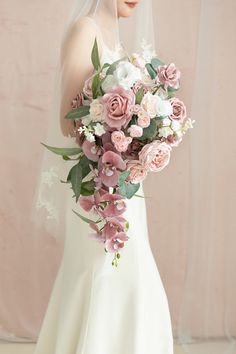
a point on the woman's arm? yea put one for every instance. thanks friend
(76, 66)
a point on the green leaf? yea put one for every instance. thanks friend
(139, 95)
(76, 180)
(88, 188)
(95, 56)
(122, 177)
(150, 131)
(78, 113)
(113, 66)
(155, 62)
(63, 151)
(84, 218)
(96, 85)
(84, 164)
(128, 189)
(151, 71)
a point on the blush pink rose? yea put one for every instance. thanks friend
(135, 131)
(120, 141)
(179, 110)
(143, 119)
(138, 172)
(168, 75)
(155, 156)
(118, 107)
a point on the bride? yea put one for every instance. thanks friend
(96, 308)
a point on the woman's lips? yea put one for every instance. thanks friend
(131, 4)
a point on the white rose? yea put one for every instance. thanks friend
(126, 74)
(109, 83)
(86, 120)
(165, 131)
(164, 107)
(99, 129)
(175, 125)
(96, 111)
(149, 104)
(166, 122)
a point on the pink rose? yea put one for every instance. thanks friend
(179, 110)
(155, 156)
(120, 141)
(118, 106)
(168, 75)
(135, 131)
(143, 119)
(138, 172)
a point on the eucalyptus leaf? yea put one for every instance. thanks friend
(129, 189)
(63, 151)
(151, 71)
(78, 113)
(156, 62)
(150, 131)
(95, 56)
(84, 218)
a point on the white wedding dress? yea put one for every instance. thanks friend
(96, 308)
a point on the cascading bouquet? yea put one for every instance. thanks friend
(127, 120)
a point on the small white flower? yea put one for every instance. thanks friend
(89, 136)
(99, 129)
(175, 125)
(126, 74)
(179, 134)
(188, 124)
(166, 122)
(165, 131)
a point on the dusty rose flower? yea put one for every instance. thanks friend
(91, 150)
(87, 89)
(77, 101)
(98, 234)
(143, 119)
(137, 171)
(179, 110)
(110, 165)
(135, 131)
(133, 149)
(118, 107)
(115, 243)
(155, 156)
(168, 75)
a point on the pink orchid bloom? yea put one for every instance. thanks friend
(115, 243)
(116, 204)
(110, 165)
(91, 150)
(112, 226)
(98, 234)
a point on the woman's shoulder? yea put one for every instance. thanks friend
(85, 23)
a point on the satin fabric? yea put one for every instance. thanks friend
(97, 308)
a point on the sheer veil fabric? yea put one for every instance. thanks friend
(95, 307)
(95, 18)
